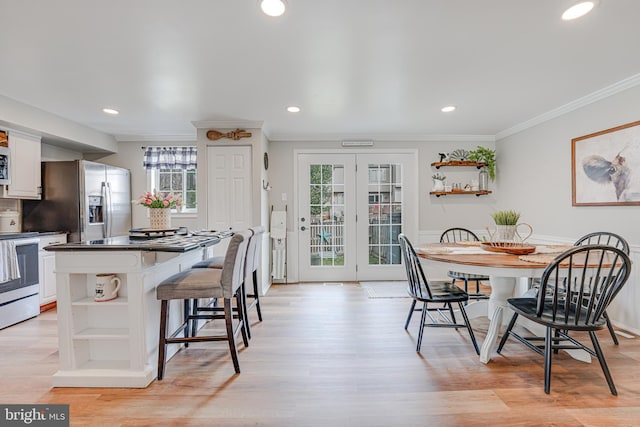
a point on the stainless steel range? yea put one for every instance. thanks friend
(19, 298)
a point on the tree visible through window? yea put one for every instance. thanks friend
(173, 170)
(179, 182)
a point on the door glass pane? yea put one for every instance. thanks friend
(326, 221)
(385, 213)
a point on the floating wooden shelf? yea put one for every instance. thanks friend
(446, 193)
(478, 165)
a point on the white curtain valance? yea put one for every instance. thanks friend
(170, 158)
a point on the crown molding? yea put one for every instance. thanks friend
(327, 137)
(228, 124)
(598, 95)
(157, 138)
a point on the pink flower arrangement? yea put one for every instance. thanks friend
(159, 200)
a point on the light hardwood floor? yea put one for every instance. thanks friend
(327, 355)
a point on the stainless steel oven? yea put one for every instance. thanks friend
(19, 298)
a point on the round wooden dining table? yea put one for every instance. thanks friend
(504, 271)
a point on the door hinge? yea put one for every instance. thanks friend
(356, 268)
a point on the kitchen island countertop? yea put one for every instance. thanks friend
(175, 243)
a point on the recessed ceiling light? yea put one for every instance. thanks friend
(578, 10)
(293, 109)
(448, 109)
(110, 111)
(273, 7)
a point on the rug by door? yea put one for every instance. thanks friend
(386, 289)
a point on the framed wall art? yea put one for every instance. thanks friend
(5, 177)
(605, 167)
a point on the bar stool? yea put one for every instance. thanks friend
(251, 270)
(206, 283)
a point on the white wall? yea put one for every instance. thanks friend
(130, 156)
(535, 179)
(47, 125)
(435, 213)
(53, 153)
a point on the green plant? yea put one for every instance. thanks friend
(439, 177)
(485, 155)
(506, 217)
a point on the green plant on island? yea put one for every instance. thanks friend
(487, 156)
(505, 217)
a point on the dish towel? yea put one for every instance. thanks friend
(8, 261)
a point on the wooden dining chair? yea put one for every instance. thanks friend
(575, 290)
(458, 234)
(445, 294)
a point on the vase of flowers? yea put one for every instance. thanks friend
(160, 205)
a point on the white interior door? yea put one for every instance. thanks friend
(229, 201)
(351, 209)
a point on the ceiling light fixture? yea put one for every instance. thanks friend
(448, 109)
(293, 109)
(273, 7)
(578, 10)
(110, 111)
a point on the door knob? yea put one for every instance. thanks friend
(303, 228)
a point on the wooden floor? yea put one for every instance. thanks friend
(327, 355)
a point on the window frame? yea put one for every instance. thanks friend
(153, 181)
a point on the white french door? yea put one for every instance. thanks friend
(327, 213)
(351, 209)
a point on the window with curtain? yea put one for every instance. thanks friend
(173, 170)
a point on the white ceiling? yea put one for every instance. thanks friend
(355, 67)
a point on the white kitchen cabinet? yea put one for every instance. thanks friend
(24, 167)
(46, 265)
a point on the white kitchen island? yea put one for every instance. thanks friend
(115, 343)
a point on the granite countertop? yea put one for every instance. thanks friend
(28, 235)
(13, 236)
(175, 243)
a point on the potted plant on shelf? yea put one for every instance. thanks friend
(487, 156)
(438, 182)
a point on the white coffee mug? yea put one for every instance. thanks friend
(107, 286)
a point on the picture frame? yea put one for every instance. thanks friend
(605, 167)
(5, 175)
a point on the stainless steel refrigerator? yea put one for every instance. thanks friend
(87, 199)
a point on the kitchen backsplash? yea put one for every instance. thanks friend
(9, 204)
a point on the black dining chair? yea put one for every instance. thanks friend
(575, 290)
(601, 238)
(457, 234)
(443, 293)
(609, 239)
